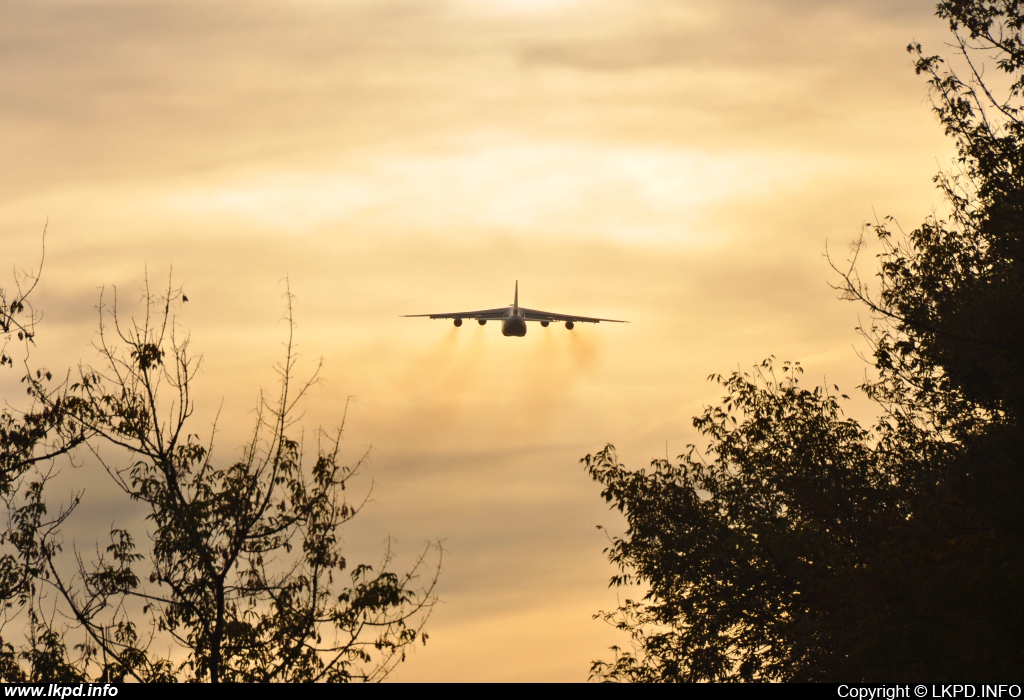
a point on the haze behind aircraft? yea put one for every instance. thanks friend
(514, 317)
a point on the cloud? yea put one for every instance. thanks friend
(676, 164)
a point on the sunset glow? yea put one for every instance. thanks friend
(682, 166)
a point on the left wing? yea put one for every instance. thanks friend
(534, 315)
(486, 314)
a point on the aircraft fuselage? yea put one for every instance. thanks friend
(514, 324)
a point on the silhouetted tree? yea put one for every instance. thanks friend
(803, 546)
(41, 430)
(44, 424)
(242, 567)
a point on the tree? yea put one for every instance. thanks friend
(244, 569)
(40, 431)
(45, 426)
(801, 545)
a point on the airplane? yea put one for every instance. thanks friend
(514, 317)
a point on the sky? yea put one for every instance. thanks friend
(681, 164)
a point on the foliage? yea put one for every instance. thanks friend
(243, 569)
(45, 425)
(803, 546)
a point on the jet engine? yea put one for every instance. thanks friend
(481, 321)
(458, 322)
(569, 325)
(545, 323)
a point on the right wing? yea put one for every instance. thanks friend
(486, 314)
(549, 316)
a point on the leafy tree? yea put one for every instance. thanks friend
(801, 545)
(33, 432)
(243, 569)
(42, 430)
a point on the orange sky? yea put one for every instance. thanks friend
(678, 164)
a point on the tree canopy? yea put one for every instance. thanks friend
(240, 574)
(800, 545)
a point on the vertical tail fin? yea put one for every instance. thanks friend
(515, 302)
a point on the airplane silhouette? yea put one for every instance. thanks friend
(514, 317)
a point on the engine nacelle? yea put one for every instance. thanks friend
(545, 323)
(481, 321)
(458, 322)
(569, 325)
